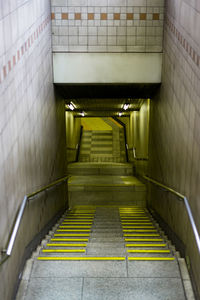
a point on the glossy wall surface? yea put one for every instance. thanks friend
(32, 126)
(175, 125)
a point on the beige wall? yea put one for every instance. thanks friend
(175, 125)
(72, 135)
(139, 136)
(32, 131)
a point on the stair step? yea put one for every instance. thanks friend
(81, 258)
(63, 250)
(68, 240)
(65, 245)
(148, 251)
(143, 240)
(151, 258)
(72, 234)
(146, 245)
(144, 234)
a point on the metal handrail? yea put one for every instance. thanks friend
(125, 137)
(184, 198)
(6, 253)
(135, 156)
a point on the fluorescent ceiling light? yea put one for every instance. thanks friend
(126, 106)
(71, 106)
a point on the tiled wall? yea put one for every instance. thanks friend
(107, 25)
(175, 124)
(32, 132)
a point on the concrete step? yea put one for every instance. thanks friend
(84, 168)
(106, 190)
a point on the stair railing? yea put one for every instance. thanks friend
(135, 156)
(185, 200)
(125, 137)
(6, 253)
(78, 146)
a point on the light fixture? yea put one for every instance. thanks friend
(83, 114)
(120, 114)
(71, 106)
(126, 106)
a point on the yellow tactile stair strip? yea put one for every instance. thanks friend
(136, 220)
(138, 230)
(76, 221)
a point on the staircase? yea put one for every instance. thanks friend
(106, 252)
(102, 146)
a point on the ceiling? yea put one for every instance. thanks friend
(105, 100)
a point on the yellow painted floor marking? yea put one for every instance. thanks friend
(72, 234)
(77, 223)
(144, 234)
(78, 219)
(145, 245)
(133, 227)
(69, 240)
(81, 258)
(143, 240)
(151, 258)
(135, 219)
(74, 227)
(64, 250)
(65, 245)
(134, 223)
(80, 214)
(139, 230)
(72, 230)
(148, 251)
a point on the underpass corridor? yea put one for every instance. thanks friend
(108, 244)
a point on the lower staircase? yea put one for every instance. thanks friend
(109, 233)
(106, 252)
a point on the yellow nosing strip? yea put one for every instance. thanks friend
(73, 234)
(151, 258)
(139, 223)
(78, 219)
(63, 250)
(141, 234)
(139, 230)
(73, 227)
(145, 245)
(148, 251)
(81, 258)
(73, 230)
(143, 240)
(133, 227)
(66, 245)
(69, 240)
(77, 223)
(80, 215)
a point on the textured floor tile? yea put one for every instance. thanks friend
(153, 269)
(79, 269)
(54, 288)
(133, 289)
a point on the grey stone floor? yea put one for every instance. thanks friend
(100, 280)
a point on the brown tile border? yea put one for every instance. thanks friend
(64, 16)
(183, 42)
(104, 16)
(7, 68)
